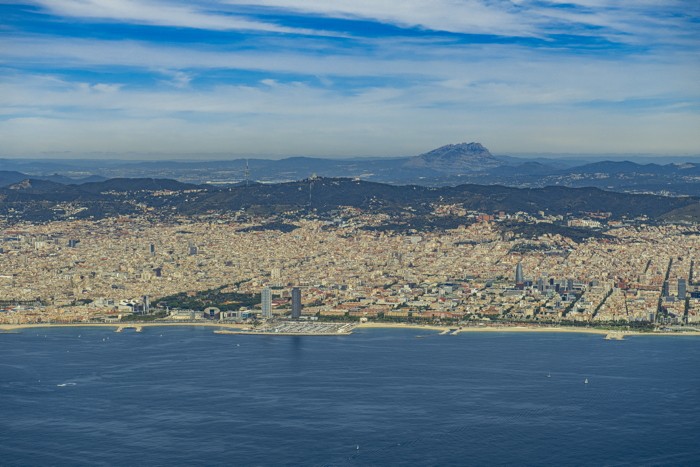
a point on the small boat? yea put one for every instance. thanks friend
(549, 375)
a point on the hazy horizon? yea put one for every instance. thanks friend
(214, 157)
(171, 80)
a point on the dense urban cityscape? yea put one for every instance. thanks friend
(133, 268)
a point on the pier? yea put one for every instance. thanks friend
(137, 328)
(614, 336)
(294, 328)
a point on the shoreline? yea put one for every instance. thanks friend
(244, 332)
(449, 330)
(518, 329)
(16, 327)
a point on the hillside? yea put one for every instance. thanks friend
(323, 195)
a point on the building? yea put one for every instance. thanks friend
(519, 279)
(682, 289)
(276, 275)
(266, 300)
(296, 303)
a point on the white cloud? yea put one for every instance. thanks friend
(644, 75)
(162, 14)
(643, 21)
(293, 118)
(466, 16)
(177, 78)
(106, 88)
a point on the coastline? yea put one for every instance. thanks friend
(17, 327)
(518, 329)
(452, 330)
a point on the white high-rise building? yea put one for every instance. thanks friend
(266, 300)
(276, 274)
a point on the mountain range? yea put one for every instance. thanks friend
(449, 165)
(9, 177)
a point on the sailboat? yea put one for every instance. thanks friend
(585, 381)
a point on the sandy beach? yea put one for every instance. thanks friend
(461, 330)
(549, 329)
(15, 327)
(417, 327)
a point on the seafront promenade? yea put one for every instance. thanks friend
(120, 325)
(303, 328)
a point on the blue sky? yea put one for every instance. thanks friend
(220, 78)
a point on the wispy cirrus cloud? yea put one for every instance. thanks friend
(467, 16)
(591, 75)
(644, 21)
(162, 13)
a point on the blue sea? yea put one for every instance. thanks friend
(186, 396)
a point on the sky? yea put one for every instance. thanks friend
(338, 78)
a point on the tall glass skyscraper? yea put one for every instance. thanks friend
(682, 289)
(296, 303)
(519, 279)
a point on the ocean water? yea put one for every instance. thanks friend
(183, 395)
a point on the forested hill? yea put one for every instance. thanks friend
(43, 200)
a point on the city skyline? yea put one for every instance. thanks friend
(124, 78)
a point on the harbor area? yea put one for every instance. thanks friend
(296, 328)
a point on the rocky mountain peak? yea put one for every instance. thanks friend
(23, 185)
(454, 158)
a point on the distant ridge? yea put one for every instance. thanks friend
(462, 157)
(36, 186)
(8, 178)
(449, 165)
